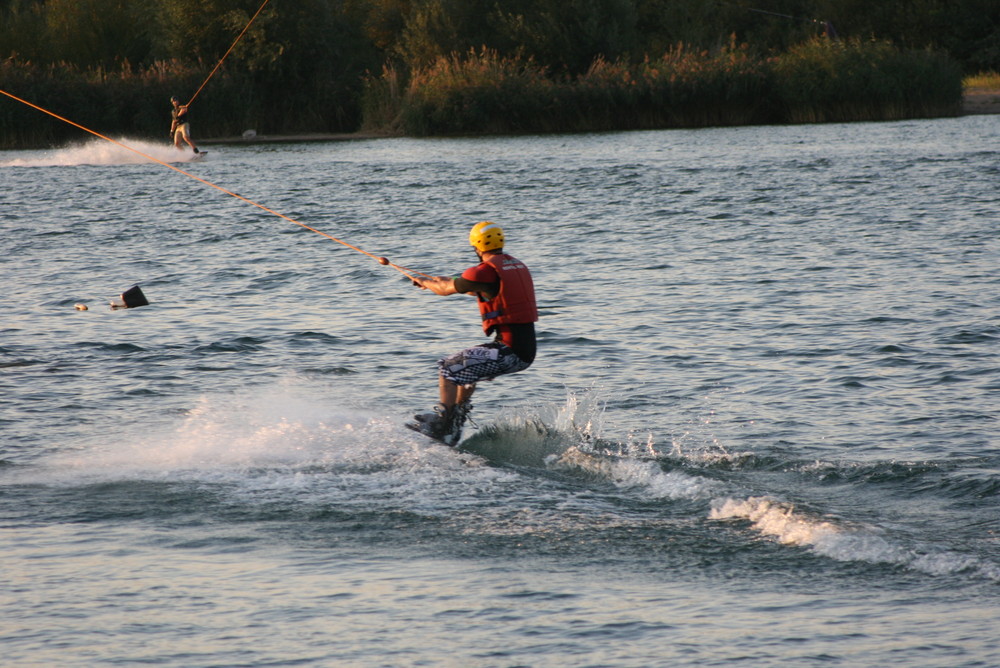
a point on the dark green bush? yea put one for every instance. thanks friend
(826, 80)
(819, 81)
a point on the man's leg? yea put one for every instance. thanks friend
(451, 394)
(186, 134)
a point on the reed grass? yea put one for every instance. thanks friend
(826, 80)
(381, 101)
(982, 81)
(821, 80)
(483, 92)
(688, 88)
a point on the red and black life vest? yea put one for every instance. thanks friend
(515, 303)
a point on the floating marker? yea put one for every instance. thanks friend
(81, 307)
(131, 298)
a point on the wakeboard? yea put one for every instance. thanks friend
(447, 432)
(200, 156)
(451, 438)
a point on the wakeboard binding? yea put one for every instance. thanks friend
(443, 424)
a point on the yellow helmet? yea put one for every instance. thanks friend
(486, 236)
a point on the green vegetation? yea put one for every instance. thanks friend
(819, 81)
(824, 81)
(485, 92)
(473, 66)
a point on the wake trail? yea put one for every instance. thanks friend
(100, 152)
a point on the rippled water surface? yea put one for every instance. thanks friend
(762, 428)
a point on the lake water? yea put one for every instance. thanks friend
(762, 428)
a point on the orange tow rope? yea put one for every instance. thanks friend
(232, 46)
(409, 273)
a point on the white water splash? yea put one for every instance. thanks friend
(774, 518)
(629, 473)
(582, 414)
(101, 152)
(835, 539)
(231, 435)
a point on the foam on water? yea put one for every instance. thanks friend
(838, 539)
(630, 473)
(238, 436)
(101, 152)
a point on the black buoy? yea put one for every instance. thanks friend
(131, 298)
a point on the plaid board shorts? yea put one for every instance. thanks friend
(483, 362)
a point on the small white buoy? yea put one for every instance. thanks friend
(249, 134)
(81, 307)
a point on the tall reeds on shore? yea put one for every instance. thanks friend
(988, 80)
(686, 88)
(832, 81)
(483, 92)
(822, 80)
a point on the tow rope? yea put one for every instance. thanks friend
(409, 273)
(232, 46)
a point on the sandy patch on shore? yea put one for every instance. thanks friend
(981, 102)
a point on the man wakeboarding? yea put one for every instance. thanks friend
(180, 128)
(505, 292)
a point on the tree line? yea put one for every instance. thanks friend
(305, 65)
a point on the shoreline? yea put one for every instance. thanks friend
(306, 136)
(974, 103)
(978, 101)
